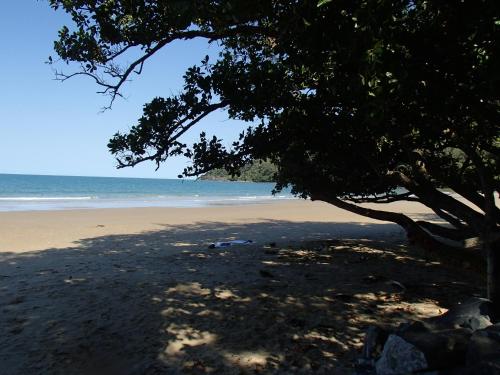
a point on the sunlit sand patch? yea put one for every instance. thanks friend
(195, 304)
(210, 313)
(174, 311)
(247, 359)
(271, 263)
(74, 280)
(186, 336)
(225, 294)
(314, 335)
(292, 301)
(183, 244)
(189, 289)
(229, 294)
(417, 310)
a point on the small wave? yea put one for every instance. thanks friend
(260, 197)
(44, 198)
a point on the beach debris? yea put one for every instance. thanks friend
(372, 279)
(217, 245)
(396, 283)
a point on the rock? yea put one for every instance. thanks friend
(475, 313)
(483, 351)
(400, 357)
(445, 349)
(462, 341)
(484, 368)
(374, 341)
(417, 347)
(493, 331)
(373, 345)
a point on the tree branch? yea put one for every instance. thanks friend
(161, 152)
(136, 66)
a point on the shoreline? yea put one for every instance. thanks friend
(22, 231)
(33, 204)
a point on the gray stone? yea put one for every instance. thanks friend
(400, 357)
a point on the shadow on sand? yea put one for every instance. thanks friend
(162, 303)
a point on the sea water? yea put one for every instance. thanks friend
(35, 192)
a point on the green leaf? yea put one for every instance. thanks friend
(323, 2)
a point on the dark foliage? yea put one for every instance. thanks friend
(351, 99)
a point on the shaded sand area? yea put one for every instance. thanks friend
(137, 291)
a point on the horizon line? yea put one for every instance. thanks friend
(63, 175)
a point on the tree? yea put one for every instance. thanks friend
(353, 100)
(259, 171)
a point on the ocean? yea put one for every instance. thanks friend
(36, 192)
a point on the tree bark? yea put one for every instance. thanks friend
(476, 198)
(415, 233)
(436, 199)
(493, 275)
(449, 218)
(491, 232)
(449, 233)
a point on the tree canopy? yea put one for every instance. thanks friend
(351, 99)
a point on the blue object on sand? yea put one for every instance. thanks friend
(230, 243)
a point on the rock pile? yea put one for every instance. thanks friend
(463, 341)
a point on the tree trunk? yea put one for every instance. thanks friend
(492, 249)
(460, 256)
(435, 199)
(449, 233)
(476, 198)
(415, 232)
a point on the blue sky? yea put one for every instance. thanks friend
(49, 127)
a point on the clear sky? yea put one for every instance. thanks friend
(49, 127)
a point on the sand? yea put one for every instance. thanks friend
(137, 291)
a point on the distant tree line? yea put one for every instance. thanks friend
(259, 171)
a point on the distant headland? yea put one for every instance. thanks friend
(260, 171)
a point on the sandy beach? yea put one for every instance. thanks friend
(138, 291)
